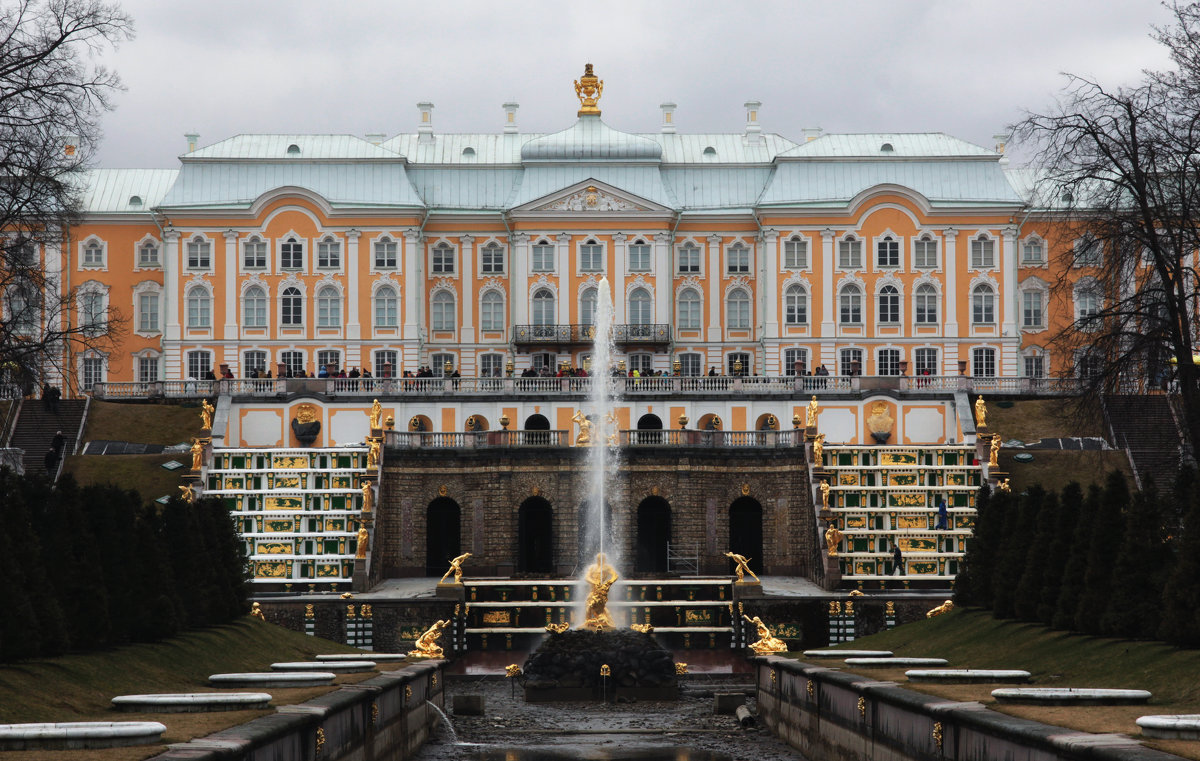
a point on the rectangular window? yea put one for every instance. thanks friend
(983, 363)
(888, 362)
(329, 254)
(542, 258)
(491, 365)
(92, 313)
(983, 253)
(148, 255)
(795, 361)
(1031, 252)
(147, 369)
(926, 254)
(737, 260)
(148, 312)
(643, 363)
(690, 364)
(738, 363)
(1035, 366)
(639, 257)
(93, 255)
(887, 253)
(293, 362)
(491, 260)
(795, 253)
(255, 363)
(438, 362)
(385, 254)
(1031, 309)
(850, 361)
(850, 253)
(443, 260)
(689, 259)
(926, 362)
(291, 254)
(331, 358)
(544, 360)
(1089, 252)
(591, 257)
(689, 311)
(199, 365)
(385, 364)
(93, 372)
(199, 254)
(254, 254)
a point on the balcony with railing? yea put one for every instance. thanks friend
(567, 335)
(505, 439)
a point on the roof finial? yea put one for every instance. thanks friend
(588, 89)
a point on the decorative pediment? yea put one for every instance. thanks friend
(591, 197)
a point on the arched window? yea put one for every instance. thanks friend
(983, 305)
(254, 308)
(850, 305)
(292, 306)
(795, 305)
(543, 307)
(889, 305)
(329, 308)
(927, 304)
(587, 307)
(385, 307)
(689, 309)
(640, 309)
(491, 313)
(199, 308)
(737, 308)
(443, 317)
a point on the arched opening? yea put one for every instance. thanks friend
(443, 535)
(653, 535)
(745, 531)
(477, 423)
(420, 424)
(537, 423)
(767, 422)
(535, 536)
(709, 422)
(649, 422)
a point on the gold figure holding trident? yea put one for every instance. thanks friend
(743, 566)
(584, 439)
(456, 568)
(601, 576)
(427, 645)
(766, 643)
(376, 415)
(206, 415)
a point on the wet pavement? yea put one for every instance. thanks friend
(594, 730)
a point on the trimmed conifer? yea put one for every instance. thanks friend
(1076, 566)
(1018, 535)
(1069, 506)
(973, 583)
(1109, 524)
(1141, 565)
(1181, 594)
(1043, 516)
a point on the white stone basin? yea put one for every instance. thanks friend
(337, 667)
(76, 735)
(1184, 726)
(967, 676)
(848, 653)
(883, 663)
(191, 702)
(273, 679)
(1064, 696)
(376, 657)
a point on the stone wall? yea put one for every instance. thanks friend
(838, 716)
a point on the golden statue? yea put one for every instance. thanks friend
(819, 450)
(601, 576)
(994, 456)
(880, 422)
(643, 628)
(980, 413)
(825, 489)
(1005, 486)
(376, 415)
(197, 454)
(856, 593)
(368, 495)
(557, 628)
(372, 453)
(584, 439)
(832, 538)
(512, 670)
(588, 89)
(939, 610)
(361, 552)
(611, 419)
(427, 645)
(456, 568)
(187, 492)
(206, 415)
(680, 668)
(256, 612)
(810, 417)
(766, 643)
(389, 423)
(743, 566)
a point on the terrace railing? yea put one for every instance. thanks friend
(630, 438)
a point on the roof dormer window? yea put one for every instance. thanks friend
(135, 202)
(887, 148)
(710, 154)
(293, 150)
(468, 153)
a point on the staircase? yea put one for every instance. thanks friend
(35, 428)
(1146, 427)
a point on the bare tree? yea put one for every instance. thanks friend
(1119, 172)
(52, 93)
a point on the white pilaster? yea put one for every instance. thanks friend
(568, 308)
(230, 331)
(714, 288)
(663, 293)
(52, 367)
(1011, 336)
(950, 304)
(769, 261)
(620, 261)
(353, 326)
(171, 265)
(518, 293)
(467, 333)
(414, 283)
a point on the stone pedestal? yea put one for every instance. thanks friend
(359, 582)
(810, 433)
(833, 572)
(450, 591)
(747, 588)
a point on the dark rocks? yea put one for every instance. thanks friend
(575, 659)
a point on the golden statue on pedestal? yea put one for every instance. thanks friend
(456, 568)
(372, 453)
(810, 417)
(206, 415)
(368, 497)
(994, 455)
(601, 576)
(766, 643)
(588, 89)
(376, 415)
(832, 537)
(819, 450)
(825, 489)
(361, 552)
(980, 413)
(743, 566)
(427, 645)
(197, 454)
(584, 439)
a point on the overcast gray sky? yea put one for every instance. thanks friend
(224, 67)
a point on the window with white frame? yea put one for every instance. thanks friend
(386, 307)
(543, 307)
(639, 256)
(926, 304)
(438, 362)
(491, 365)
(887, 362)
(691, 364)
(850, 253)
(689, 259)
(983, 305)
(795, 305)
(291, 254)
(1089, 252)
(544, 359)
(983, 362)
(1034, 365)
(983, 252)
(93, 254)
(491, 259)
(254, 308)
(22, 309)
(199, 308)
(850, 305)
(443, 259)
(443, 311)
(148, 254)
(329, 253)
(737, 260)
(147, 369)
(925, 253)
(795, 361)
(330, 358)
(587, 306)
(795, 253)
(93, 372)
(925, 361)
(643, 363)
(737, 310)
(738, 363)
(254, 363)
(641, 309)
(1032, 306)
(1087, 307)
(293, 362)
(688, 308)
(888, 305)
(385, 363)
(591, 257)
(199, 364)
(147, 312)
(491, 311)
(199, 253)
(291, 307)
(542, 257)
(254, 253)
(329, 308)
(850, 362)
(1033, 252)
(385, 253)
(887, 253)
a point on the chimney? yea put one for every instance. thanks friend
(1001, 142)
(753, 131)
(425, 127)
(811, 133)
(193, 139)
(510, 118)
(668, 123)
(375, 138)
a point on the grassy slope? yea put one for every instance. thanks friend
(973, 639)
